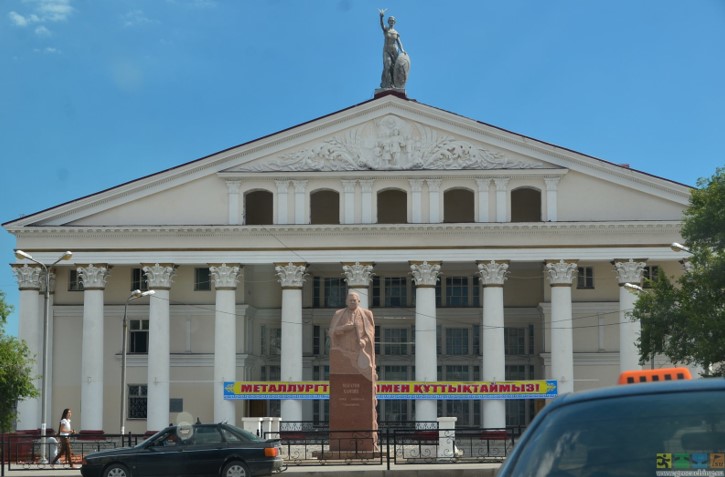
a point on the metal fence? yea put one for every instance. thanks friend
(305, 443)
(24, 451)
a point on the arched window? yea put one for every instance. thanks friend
(259, 208)
(525, 205)
(325, 207)
(392, 207)
(458, 206)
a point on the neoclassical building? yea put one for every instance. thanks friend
(485, 255)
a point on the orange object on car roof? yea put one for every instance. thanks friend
(654, 375)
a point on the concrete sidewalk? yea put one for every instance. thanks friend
(400, 470)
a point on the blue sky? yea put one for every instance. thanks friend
(94, 93)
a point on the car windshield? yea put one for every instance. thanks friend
(232, 433)
(641, 436)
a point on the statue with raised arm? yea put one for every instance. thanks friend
(396, 62)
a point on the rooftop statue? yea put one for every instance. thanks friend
(396, 62)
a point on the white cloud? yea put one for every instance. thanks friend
(135, 18)
(43, 11)
(42, 31)
(53, 10)
(17, 19)
(48, 51)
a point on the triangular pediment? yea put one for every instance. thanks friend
(390, 142)
(387, 133)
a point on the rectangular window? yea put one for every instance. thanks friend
(328, 292)
(457, 373)
(138, 281)
(376, 292)
(585, 277)
(476, 291)
(476, 329)
(514, 341)
(650, 274)
(395, 341)
(271, 341)
(456, 341)
(138, 337)
(74, 281)
(395, 373)
(320, 341)
(396, 292)
(202, 279)
(456, 291)
(137, 401)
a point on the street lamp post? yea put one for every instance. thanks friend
(46, 316)
(135, 295)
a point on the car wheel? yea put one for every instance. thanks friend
(235, 468)
(116, 470)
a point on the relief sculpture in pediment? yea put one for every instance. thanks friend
(391, 144)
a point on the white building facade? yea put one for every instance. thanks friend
(484, 255)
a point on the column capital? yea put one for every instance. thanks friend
(300, 186)
(225, 277)
(434, 185)
(159, 275)
(501, 183)
(552, 183)
(291, 275)
(687, 265)
(348, 185)
(28, 276)
(493, 273)
(629, 271)
(94, 277)
(416, 185)
(282, 185)
(483, 184)
(425, 274)
(560, 273)
(233, 186)
(366, 185)
(358, 274)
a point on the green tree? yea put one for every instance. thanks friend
(16, 381)
(684, 318)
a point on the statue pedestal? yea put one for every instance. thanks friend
(352, 408)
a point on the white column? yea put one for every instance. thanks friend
(301, 216)
(425, 276)
(94, 280)
(348, 201)
(482, 196)
(291, 277)
(416, 214)
(233, 200)
(159, 278)
(225, 278)
(552, 184)
(434, 200)
(357, 276)
(493, 274)
(502, 184)
(366, 201)
(282, 213)
(30, 329)
(628, 271)
(560, 275)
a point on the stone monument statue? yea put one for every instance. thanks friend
(396, 62)
(352, 378)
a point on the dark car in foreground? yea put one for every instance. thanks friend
(219, 450)
(674, 428)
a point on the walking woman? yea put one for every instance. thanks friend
(64, 432)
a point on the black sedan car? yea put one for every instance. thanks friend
(219, 450)
(674, 428)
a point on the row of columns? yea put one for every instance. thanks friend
(358, 193)
(291, 277)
